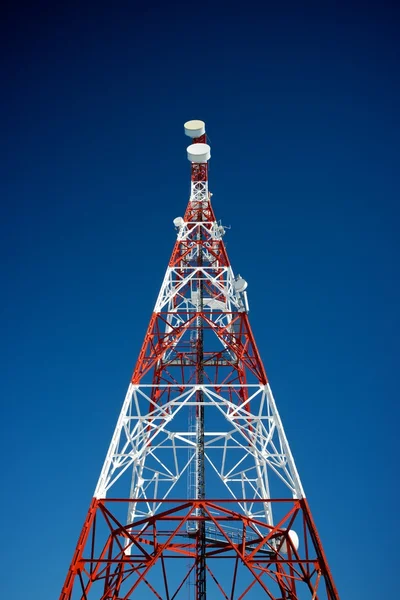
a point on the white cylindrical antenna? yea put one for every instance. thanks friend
(195, 129)
(199, 153)
(246, 301)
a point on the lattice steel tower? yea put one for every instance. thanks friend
(199, 495)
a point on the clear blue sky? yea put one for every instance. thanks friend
(302, 109)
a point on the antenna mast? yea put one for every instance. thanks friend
(199, 175)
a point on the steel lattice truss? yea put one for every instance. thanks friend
(120, 559)
(199, 357)
(159, 454)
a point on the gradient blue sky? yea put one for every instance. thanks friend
(302, 109)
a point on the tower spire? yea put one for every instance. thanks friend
(199, 466)
(199, 154)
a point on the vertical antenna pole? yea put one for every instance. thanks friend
(200, 483)
(200, 199)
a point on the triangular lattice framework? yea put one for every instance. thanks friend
(199, 470)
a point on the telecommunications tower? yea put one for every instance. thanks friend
(199, 496)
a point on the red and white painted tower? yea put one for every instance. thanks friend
(199, 495)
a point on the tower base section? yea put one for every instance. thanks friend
(158, 554)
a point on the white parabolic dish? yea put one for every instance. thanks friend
(294, 538)
(240, 284)
(199, 153)
(195, 129)
(179, 222)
